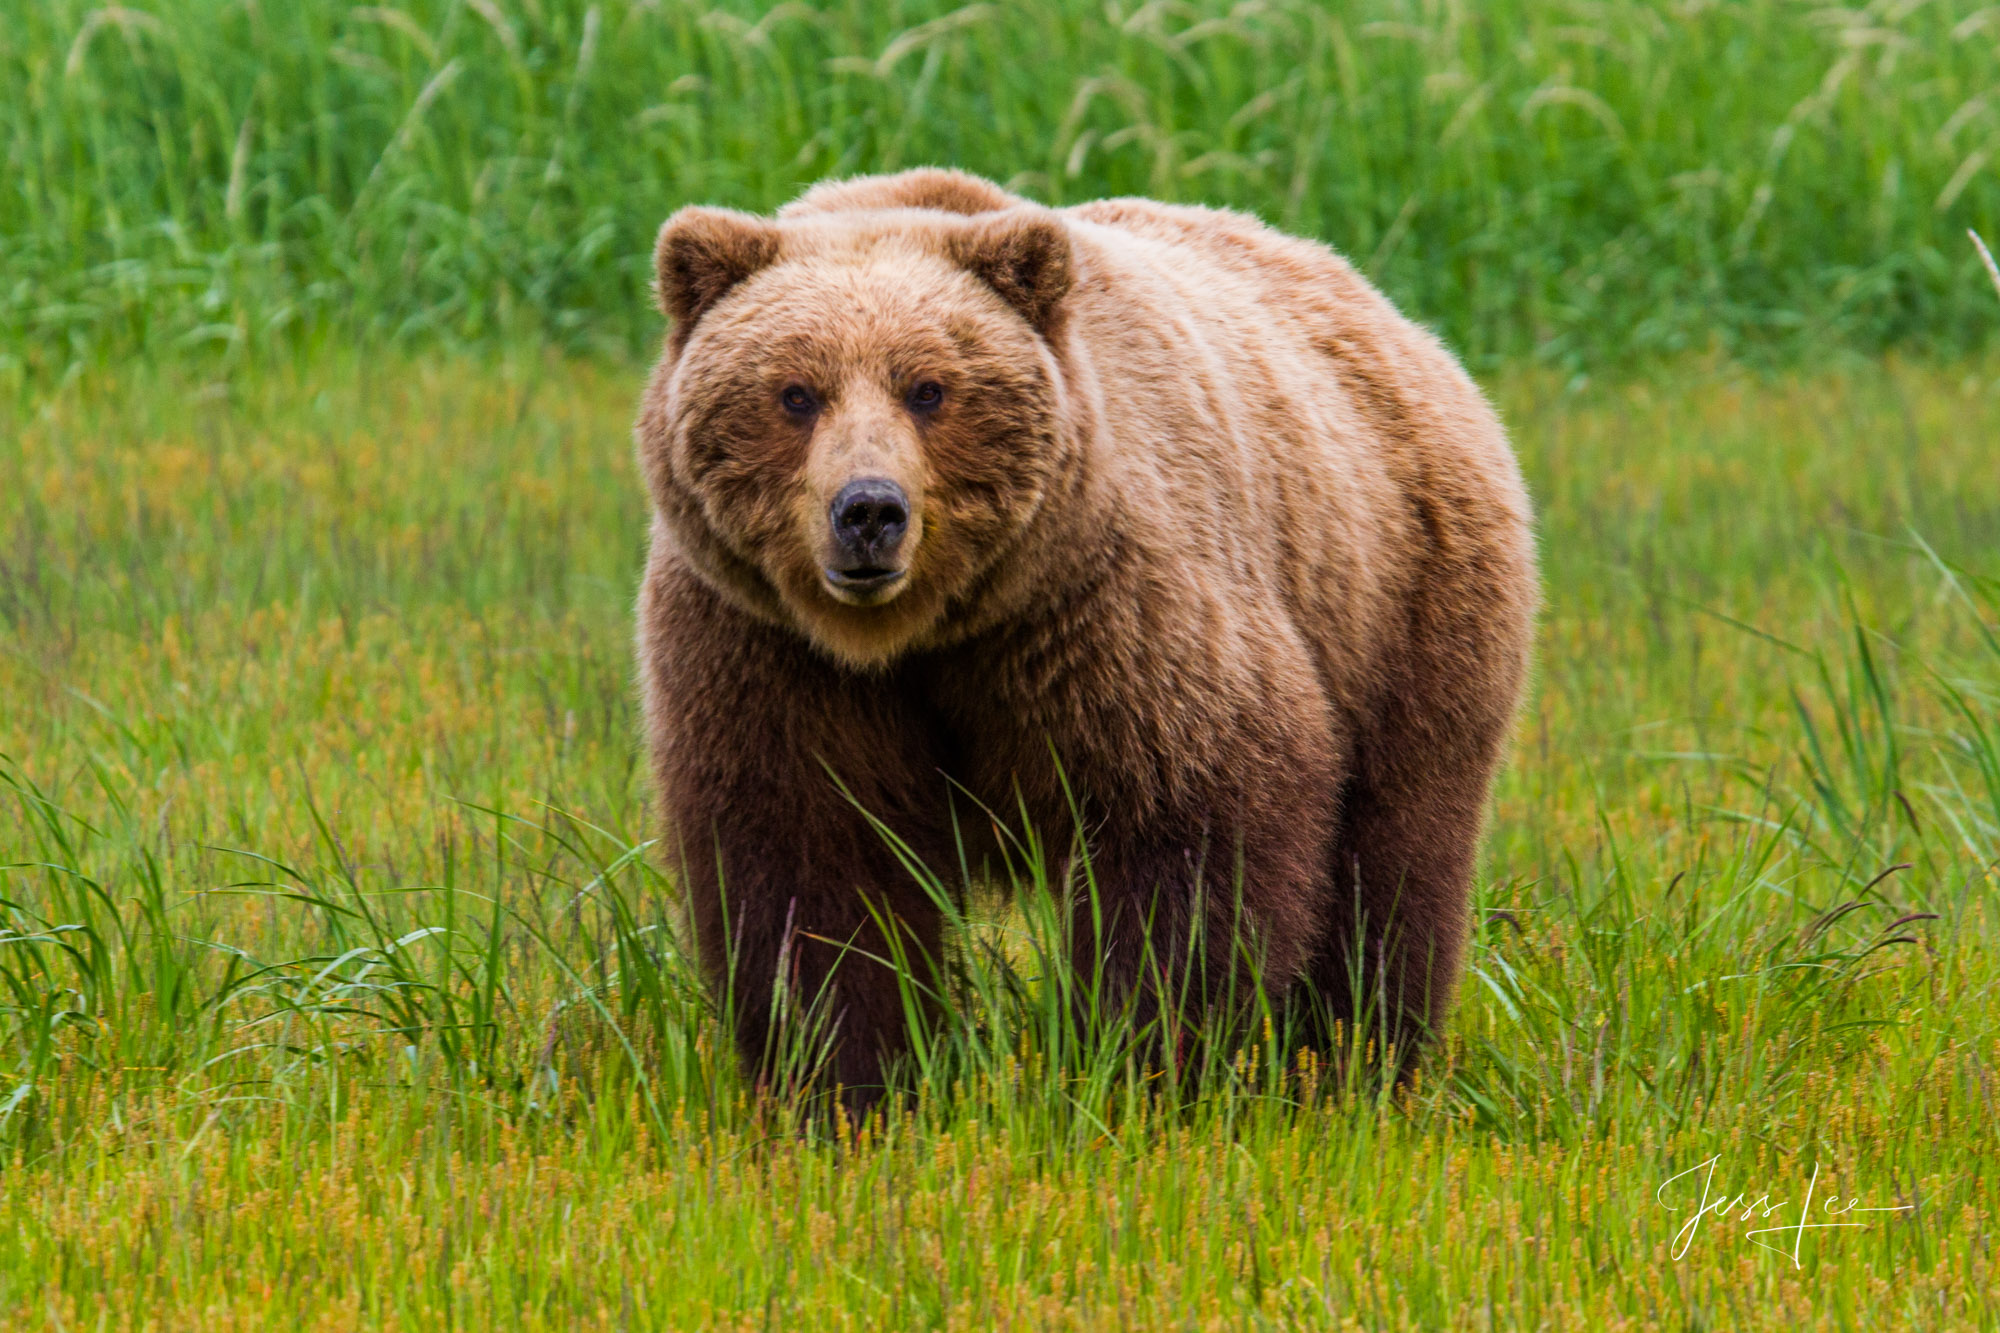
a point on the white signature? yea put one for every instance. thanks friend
(1761, 1208)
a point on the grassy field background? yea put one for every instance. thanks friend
(339, 987)
(1579, 181)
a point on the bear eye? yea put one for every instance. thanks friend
(926, 396)
(799, 400)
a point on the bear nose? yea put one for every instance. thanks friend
(870, 517)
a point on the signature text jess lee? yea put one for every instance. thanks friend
(1757, 1209)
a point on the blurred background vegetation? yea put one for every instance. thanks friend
(1583, 183)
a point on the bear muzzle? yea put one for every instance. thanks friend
(869, 519)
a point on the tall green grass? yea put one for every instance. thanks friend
(1580, 182)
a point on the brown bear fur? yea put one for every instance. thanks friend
(1205, 538)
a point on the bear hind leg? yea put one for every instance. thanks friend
(1381, 982)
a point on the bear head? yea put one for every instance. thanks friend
(858, 415)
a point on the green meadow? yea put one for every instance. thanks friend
(340, 983)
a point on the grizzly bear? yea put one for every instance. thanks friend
(1148, 523)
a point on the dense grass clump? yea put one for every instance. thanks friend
(1580, 182)
(338, 986)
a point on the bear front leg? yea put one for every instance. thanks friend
(1151, 944)
(1200, 776)
(799, 905)
(1185, 919)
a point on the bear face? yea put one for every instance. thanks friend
(857, 417)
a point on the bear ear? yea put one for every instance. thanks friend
(1023, 254)
(702, 253)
